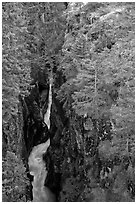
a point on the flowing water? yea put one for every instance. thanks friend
(38, 170)
(37, 166)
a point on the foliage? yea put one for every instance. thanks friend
(32, 32)
(71, 190)
(14, 179)
(16, 68)
(27, 43)
(98, 63)
(45, 28)
(89, 49)
(15, 81)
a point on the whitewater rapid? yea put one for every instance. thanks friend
(37, 166)
(38, 170)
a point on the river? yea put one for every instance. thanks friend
(37, 166)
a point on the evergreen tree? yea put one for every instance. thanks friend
(88, 48)
(98, 63)
(32, 35)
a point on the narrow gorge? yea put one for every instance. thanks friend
(37, 167)
(68, 105)
(44, 124)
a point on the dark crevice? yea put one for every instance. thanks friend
(53, 179)
(35, 132)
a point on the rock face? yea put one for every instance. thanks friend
(38, 170)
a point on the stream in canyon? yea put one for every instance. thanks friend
(37, 166)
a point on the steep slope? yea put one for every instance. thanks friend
(77, 131)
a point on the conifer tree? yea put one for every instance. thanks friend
(98, 63)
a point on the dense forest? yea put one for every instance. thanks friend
(88, 50)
